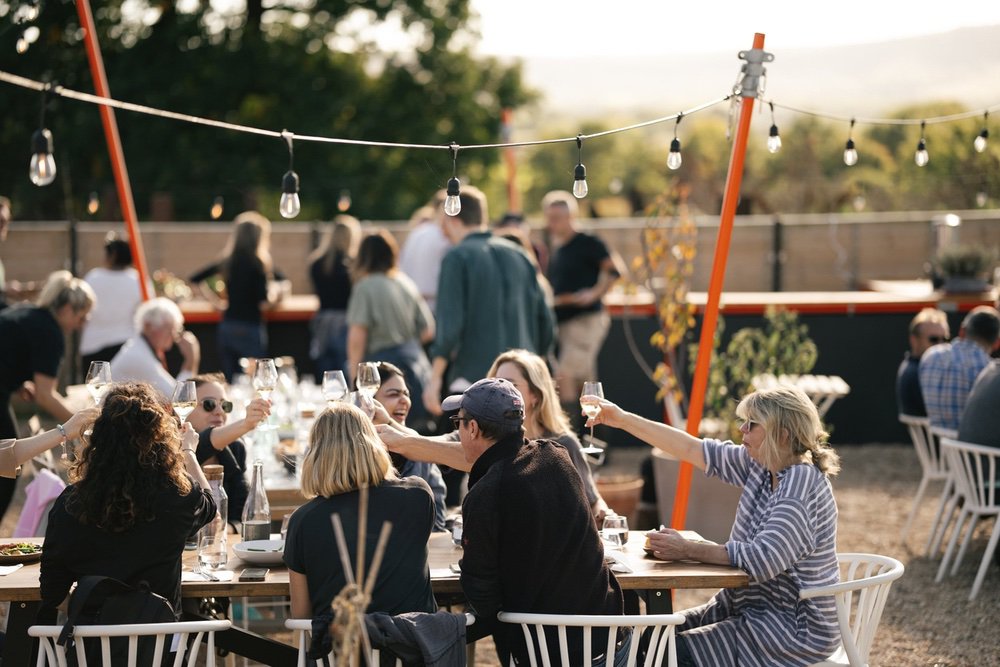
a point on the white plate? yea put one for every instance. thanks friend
(261, 552)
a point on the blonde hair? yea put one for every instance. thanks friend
(62, 288)
(792, 428)
(345, 453)
(932, 315)
(561, 198)
(548, 413)
(251, 238)
(342, 238)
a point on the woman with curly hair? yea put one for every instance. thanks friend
(136, 493)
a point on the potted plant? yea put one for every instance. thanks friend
(965, 268)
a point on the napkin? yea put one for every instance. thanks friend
(9, 569)
(222, 575)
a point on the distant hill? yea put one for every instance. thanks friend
(863, 80)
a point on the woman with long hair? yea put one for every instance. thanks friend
(330, 272)
(32, 344)
(247, 270)
(116, 285)
(344, 455)
(136, 493)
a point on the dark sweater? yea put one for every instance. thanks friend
(530, 541)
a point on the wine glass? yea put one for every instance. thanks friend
(99, 380)
(591, 410)
(368, 380)
(265, 379)
(334, 386)
(185, 399)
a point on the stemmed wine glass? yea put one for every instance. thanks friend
(185, 399)
(265, 379)
(334, 386)
(99, 380)
(591, 410)
(368, 380)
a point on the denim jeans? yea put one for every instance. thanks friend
(239, 339)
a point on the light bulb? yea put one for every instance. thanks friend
(22, 45)
(773, 140)
(216, 210)
(289, 206)
(42, 169)
(850, 153)
(31, 12)
(921, 157)
(580, 181)
(674, 157)
(93, 203)
(981, 140)
(453, 203)
(344, 202)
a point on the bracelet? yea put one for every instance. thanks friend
(188, 449)
(62, 432)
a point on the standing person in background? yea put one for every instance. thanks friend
(581, 271)
(330, 273)
(32, 343)
(251, 288)
(387, 319)
(424, 248)
(116, 285)
(929, 327)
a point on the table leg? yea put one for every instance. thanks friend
(659, 602)
(18, 647)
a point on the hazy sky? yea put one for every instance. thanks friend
(533, 28)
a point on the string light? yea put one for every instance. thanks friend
(773, 138)
(217, 208)
(580, 188)
(93, 203)
(921, 157)
(452, 202)
(980, 143)
(850, 152)
(674, 156)
(289, 205)
(344, 201)
(42, 168)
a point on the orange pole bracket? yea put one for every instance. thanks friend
(114, 144)
(734, 178)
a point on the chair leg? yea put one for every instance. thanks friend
(946, 508)
(913, 510)
(951, 546)
(973, 520)
(987, 560)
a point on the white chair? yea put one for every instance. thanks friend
(931, 462)
(974, 472)
(949, 496)
(303, 628)
(660, 629)
(860, 597)
(53, 655)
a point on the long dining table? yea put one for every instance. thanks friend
(636, 572)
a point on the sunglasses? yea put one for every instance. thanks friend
(456, 420)
(934, 340)
(209, 404)
(747, 425)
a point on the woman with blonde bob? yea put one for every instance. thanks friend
(345, 454)
(784, 535)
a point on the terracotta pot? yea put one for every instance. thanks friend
(621, 493)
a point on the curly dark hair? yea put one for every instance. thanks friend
(133, 454)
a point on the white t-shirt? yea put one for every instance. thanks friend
(420, 258)
(136, 362)
(118, 295)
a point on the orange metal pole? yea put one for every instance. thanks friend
(711, 316)
(510, 159)
(114, 144)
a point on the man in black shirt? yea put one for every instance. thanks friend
(929, 327)
(581, 271)
(529, 539)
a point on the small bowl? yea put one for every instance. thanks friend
(261, 552)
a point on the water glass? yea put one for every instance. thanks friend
(213, 551)
(615, 531)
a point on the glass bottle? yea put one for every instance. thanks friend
(456, 530)
(214, 474)
(257, 511)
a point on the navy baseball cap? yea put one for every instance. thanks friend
(493, 400)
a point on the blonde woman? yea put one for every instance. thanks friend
(784, 536)
(251, 288)
(330, 273)
(32, 344)
(344, 455)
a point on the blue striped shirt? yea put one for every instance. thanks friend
(786, 540)
(947, 373)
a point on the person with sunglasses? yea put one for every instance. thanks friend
(929, 327)
(219, 442)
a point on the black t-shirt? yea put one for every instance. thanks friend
(576, 266)
(909, 397)
(30, 342)
(233, 459)
(149, 551)
(333, 288)
(246, 286)
(404, 582)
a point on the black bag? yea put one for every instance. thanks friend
(107, 601)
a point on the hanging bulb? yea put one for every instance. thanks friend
(344, 202)
(42, 169)
(981, 140)
(580, 188)
(921, 157)
(773, 140)
(30, 13)
(289, 206)
(93, 203)
(452, 203)
(22, 45)
(674, 157)
(216, 210)
(850, 153)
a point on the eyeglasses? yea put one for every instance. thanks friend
(457, 419)
(209, 404)
(934, 340)
(746, 426)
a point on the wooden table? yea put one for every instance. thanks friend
(650, 577)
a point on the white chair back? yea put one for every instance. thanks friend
(932, 464)
(860, 596)
(659, 628)
(52, 654)
(303, 629)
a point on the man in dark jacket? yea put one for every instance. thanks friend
(529, 538)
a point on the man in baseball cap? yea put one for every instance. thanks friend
(492, 408)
